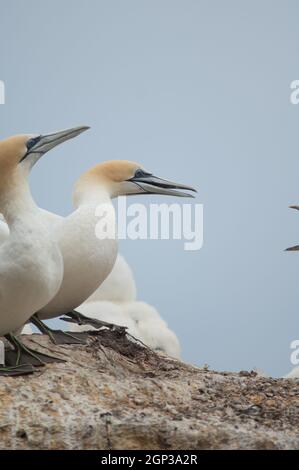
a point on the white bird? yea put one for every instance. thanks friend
(88, 260)
(31, 265)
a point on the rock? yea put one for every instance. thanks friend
(115, 394)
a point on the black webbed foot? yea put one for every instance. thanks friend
(22, 355)
(59, 336)
(80, 319)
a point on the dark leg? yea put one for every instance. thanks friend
(77, 317)
(16, 370)
(22, 355)
(58, 336)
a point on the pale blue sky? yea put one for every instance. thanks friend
(197, 91)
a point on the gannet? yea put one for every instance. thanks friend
(87, 259)
(31, 264)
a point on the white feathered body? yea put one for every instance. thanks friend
(87, 259)
(31, 270)
(119, 286)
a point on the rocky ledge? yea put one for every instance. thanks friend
(113, 393)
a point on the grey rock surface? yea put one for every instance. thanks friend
(115, 394)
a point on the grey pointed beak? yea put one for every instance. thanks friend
(292, 248)
(151, 184)
(49, 141)
(296, 247)
(38, 146)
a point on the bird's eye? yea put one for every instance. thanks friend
(139, 173)
(31, 142)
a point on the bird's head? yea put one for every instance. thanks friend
(125, 178)
(23, 151)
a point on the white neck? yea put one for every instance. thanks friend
(17, 204)
(90, 194)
